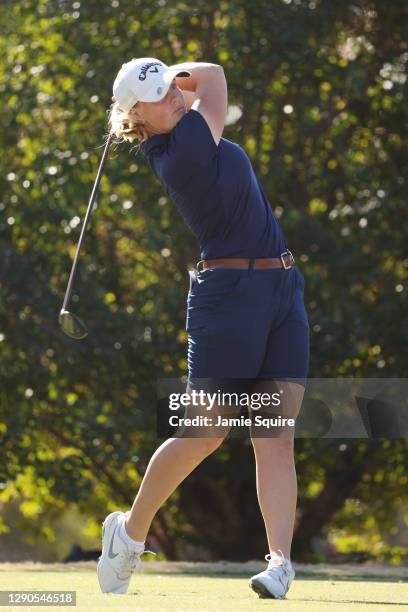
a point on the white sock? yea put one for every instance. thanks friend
(126, 538)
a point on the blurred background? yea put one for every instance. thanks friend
(317, 95)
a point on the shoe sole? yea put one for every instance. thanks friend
(261, 590)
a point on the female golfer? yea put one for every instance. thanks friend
(246, 319)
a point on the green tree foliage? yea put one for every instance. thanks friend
(321, 86)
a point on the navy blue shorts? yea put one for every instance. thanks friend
(247, 324)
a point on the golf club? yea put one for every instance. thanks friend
(70, 323)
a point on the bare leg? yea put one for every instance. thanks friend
(171, 463)
(276, 477)
(277, 490)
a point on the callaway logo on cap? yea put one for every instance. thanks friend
(145, 79)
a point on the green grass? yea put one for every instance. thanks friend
(165, 591)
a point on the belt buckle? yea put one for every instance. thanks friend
(283, 261)
(198, 265)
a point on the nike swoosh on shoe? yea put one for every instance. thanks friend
(111, 554)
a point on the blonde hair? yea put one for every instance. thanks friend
(127, 128)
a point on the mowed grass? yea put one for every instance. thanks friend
(165, 591)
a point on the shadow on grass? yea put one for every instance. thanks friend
(359, 578)
(366, 602)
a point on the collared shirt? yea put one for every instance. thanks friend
(215, 189)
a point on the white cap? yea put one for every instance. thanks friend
(145, 79)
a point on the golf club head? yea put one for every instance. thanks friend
(72, 325)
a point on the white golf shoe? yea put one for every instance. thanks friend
(275, 581)
(118, 559)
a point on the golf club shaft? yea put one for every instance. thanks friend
(88, 213)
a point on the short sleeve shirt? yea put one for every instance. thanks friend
(215, 190)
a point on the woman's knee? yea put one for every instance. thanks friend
(201, 447)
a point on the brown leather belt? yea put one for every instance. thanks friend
(286, 261)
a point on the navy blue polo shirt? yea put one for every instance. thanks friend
(215, 189)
